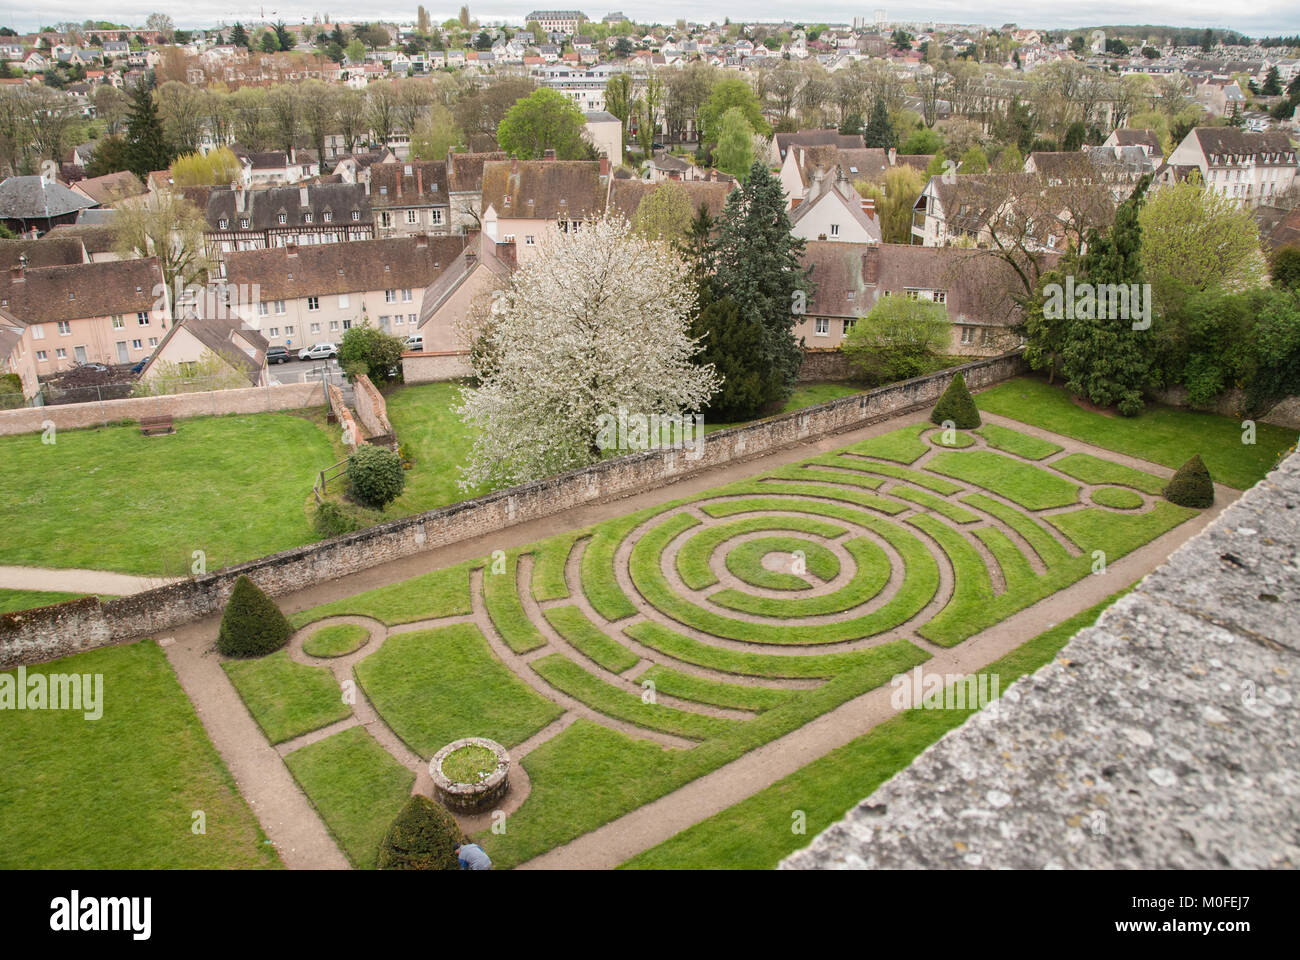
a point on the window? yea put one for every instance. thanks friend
(406, 170)
(941, 296)
(282, 218)
(334, 324)
(263, 308)
(529, 240)
(412, 216)
(65, 328)
(406, 295)
(329, 217)
(823, 326)
(315, 328)
(137, 344)
(40, 355)
(118, 322)
(344, 301)
(383, 190)
(38, 331)
(385, 219)
(384, 321)
(279, 306)
(967, 334)
(288, 331)
(273, 332)
(306, 218)
(848, 325)
(411, 318)
(835, 229)
(142, 318)
(223, 223)
(243, 223)
(435, 216)
(356, 214)
(313, 303)
(153, 341)
(61, 354)
(390, 296)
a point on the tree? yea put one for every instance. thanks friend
(351, 109)
(373, 36)
(1195, 240)
(162, 25)
(664, 213)
(355, 51)
(879, 131)
(974, 160)
(251, 625)
(898, 339)
(436, 135)
(732, 343)
(180, 107)
(545, 119)
(423, 836)
(623, 47)
(375, 476)
(283, 106)
(618, 96)
(594, 324)
(726, 94)
(1105, 354)
(169, 227)
(110, 107)
(1284, 268)
(214, 168)
(756, 264)
(381, 110)
(1272, 83)
(956, 406)
(369, 350)
(268, 43)
(283, 38)
(903, 184)
(922, 140)
(1074, 136)
(1191, 485)
(147, 148)
(318, 106)
(110, 156)
(238, 36)
(735, 151)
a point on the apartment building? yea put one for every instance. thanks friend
(1250, 168)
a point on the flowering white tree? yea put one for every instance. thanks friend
(597, 321)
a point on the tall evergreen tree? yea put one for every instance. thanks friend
(756, 264)
(880, 132)
(146, 146)
(239, 36)
(1102, 357)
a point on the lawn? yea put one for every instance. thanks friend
(12, 601)
(287, 699)
(234, 487)
(435, 686)
(756, 834)
(1162, 435)
(356, 787)
(435, 441)
(121, 792)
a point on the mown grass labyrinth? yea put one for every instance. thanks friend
(621, 661)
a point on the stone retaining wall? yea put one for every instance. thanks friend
(347, 423)
(825, 365)
(71, 416)
(57, 631)
(372, 410)
(1285, 413)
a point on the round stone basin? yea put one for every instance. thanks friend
(471, 786)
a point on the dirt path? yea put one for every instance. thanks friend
(71, 580)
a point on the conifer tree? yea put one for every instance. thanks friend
(146, 146)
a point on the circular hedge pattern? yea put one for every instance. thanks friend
(796, 559)
(1119, 498)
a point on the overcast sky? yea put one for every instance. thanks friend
(1259, 18)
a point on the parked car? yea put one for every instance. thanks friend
(318, 351)
(277, 355)
(415, 342)
(139, 367)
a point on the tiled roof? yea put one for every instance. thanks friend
(391, 185)
(34, 198)
(263, 207)
(111, 187)
(625, 196)
(289, 273)
(543, 189)
(465, 170)
(53, 249)
(81, 290)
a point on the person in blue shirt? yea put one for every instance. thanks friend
(472, 857)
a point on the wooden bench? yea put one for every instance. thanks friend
(152, 426)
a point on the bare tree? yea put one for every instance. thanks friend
(284, 108)
(351, 108)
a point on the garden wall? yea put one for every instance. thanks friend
(432, 367)
(56, 631)
(372, 410)
(347, 423)
(71, 416)
(825, 364)
(1285, 413)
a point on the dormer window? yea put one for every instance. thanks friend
(383, 191)
(223, 223)
(329, 217)
(243, 223)
(406, 171)
(356, 214)
(306, 218)
(282, 218)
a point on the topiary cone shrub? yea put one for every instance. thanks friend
(375, 475)
(1191, 486)
(252, 625)
(422, 837)
(956, 405)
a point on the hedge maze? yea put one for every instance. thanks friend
(621, 661)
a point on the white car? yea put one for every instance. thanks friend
(318, 351)
(415, 342)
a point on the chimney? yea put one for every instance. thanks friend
(506, 253)
(893, 156)
(419, 181)
(302, 197)
(604, 166)
(240, 199)
(548, 154)
(871, 265)
(293, 155)
(399, 184)
(514, 166)
(869, 207)
(291, 249)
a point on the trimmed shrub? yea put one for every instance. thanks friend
(422, 837)
(1191, 486)
(956, 405)
(375, 475)
(252, 625)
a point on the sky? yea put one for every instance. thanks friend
(1260, 18)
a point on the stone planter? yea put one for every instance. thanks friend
(470, 797)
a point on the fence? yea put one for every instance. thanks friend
(323, 477)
